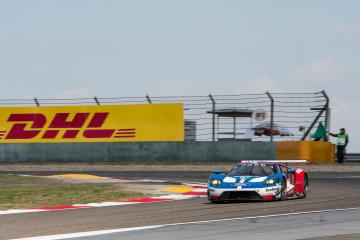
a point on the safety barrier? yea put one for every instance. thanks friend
(136, 152)
(352, 157)
(314, 151)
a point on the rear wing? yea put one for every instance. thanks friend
(281, 162)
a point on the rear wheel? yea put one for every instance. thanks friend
(306, 187)
(283, 190)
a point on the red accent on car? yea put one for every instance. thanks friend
(299, 180)
(215, 198)
(268, 197)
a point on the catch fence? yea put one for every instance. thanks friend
(241, 117)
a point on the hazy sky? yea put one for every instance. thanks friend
(132, 48)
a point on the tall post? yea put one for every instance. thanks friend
(321, 110)
(328, 120)
(234, 128)
(213, 116)
(327, 114)
(148, 99)
(271, 115)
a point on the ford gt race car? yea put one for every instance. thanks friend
(259, 180)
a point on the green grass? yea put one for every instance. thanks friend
(17, 192)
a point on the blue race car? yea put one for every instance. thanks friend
(259, 180)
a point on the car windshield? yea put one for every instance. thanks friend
(253, 170)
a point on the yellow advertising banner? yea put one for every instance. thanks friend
(108, 123)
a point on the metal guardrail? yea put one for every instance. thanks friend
(352, 157)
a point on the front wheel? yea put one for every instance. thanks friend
(283, 191)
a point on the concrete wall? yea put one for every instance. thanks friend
(137, 152)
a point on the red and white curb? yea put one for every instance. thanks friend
(198, 190)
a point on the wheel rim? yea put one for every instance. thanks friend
(283, 191)
(306, 186)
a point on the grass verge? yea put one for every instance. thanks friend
(18, 192)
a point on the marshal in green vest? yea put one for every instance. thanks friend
(341, 139)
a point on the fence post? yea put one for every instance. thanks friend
(321, 111)
(213, 116)
(36, 102)
(327, 113)
(148, 99)
(96, 100)
(271, 115)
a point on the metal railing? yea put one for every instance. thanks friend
(206, 118)
(352, 157)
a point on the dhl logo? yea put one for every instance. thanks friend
(82, 124)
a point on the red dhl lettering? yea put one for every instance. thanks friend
(31, 125)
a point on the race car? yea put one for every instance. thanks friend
(259, 180)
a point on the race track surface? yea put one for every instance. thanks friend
(325, 193)
(302, 226)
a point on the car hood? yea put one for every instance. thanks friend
(244, 179)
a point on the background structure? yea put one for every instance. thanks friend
(226, 117)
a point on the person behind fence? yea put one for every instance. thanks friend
(341, 143)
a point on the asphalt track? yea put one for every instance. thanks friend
(326, 193)
(281, 227)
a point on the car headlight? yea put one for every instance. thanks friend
(215, 182)
(271, 181)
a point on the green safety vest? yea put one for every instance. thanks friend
(341, 139)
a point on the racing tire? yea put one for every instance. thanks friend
(306, 187)
(283, 196)
(214, 201)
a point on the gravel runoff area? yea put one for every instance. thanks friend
(347, 167)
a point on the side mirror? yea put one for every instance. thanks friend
(217, 171)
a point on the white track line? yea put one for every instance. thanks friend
(86, 234)
(103, 232)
